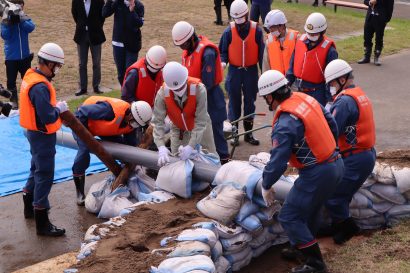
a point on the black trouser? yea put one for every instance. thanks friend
(374, 24)
(13, 67)
(82, 50)
(227, 4)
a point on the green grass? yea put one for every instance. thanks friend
(74, 103)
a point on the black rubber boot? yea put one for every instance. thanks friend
(218, 13)
(28, 205)
(366, 57)
(5, 108)
(346, 230)
(79, 182)
(292, 254)
(248, 125)
(44, 226)
(377, 57)
(314, 261)
(14, 99)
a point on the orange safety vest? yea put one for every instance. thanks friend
(194, 61)
(147, 88)
(280, 55)
(318, 136)
(243, 53)
(27, 111)
(109, 127)
(365, 129)
(184, 118)
(309, 65)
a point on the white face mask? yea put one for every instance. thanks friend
(239, 21)
(56, 70)
(312, 38)
(181, 92)
(332, 91)
(153, 70)
(276, 33)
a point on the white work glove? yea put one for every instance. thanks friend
(223, 64)
(163, 156)
(268, 196)
(62, 106)
(185, 152)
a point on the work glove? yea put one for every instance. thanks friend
(268, 196)
(163, 156)
(185, 152)
(223, 64)
(62, 106)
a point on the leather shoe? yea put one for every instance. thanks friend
(98, 91)
(81, 92)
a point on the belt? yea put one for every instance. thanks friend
(306, 89)
(353, 152)
(334, 158)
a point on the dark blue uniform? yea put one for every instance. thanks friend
(99, 111)
(315, 183)
(319, 91)
(240, 78)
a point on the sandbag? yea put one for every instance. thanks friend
(222, 265)
(369, 181)
(248, 208)
(128, 210)
(382, 173)
(97, 193)
(375, 222)
(227, 232)
(259, 160)
(261, 249)
(235, 243)
(402, 177)
(372, 197)
(276, 228)
(86, 250)
(176, 178)
(363, 213)
(359, 201)
(190, 248)
(238, 256)
(115, 202)
(267, 215)
(281, 239)
(155, 196)
(198, 234)
(242, 262)
(207, 225)
(145, 182)
(262, 238)
(388, 192)
(382, 207)
(399, 212)
(185, 264)
(223, 203)
(251, 224)
(216, 251)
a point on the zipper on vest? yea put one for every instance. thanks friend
(317, 59)
(183, 120)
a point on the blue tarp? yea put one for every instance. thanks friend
(15, 158)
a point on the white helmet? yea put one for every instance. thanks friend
(336, 69)
(315, 23)
(239, 9)
(275, 17)
(51, 52)
(175, 75)
(181, 32)
(156, 57)
(270, 81)
(141, 111)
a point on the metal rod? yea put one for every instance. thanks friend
(250, 131)
(247, 116)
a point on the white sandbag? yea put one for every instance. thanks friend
(198, 234)
(402, 177)
(133, 186)
(90, 234)
(261, 249)
(207, 225)
(244, 261)
(86, 250)
(115, 202)
(382, 207)
(185, 264)
(190, 248)
(363, 213)
(235, 243)
(388, 192)
(176, 178)
(251, 224)
(223, 203)
(369, 181)
(97, 193)
(382, 173)
(238, 256)
(128, 210)
(400, 212)
(375, 222)
(155, 196)
(372, 197)
(267, 215)
(259, 160)
(248, 208)
(359, 201)
(216, 251)
(222, 265)
(262, 238)
(146, 184)
(227, 232)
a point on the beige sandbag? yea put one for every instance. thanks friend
(382, 173)
(402, 176)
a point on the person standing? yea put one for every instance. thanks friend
(242, 46)
(353, 113)
(15, 31)
(259, 8)
(313, 51)
(126, 36)
(203, 61)
(303, 134)
(40, 115)
(184, 100)
(110, 119)
(280, 42)
(378, 14)
(218, 11)
(89, 35)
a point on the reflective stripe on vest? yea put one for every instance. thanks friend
(184, 118)
(279, 56)
(27, 111)
(364, 128)
(194, 61)
(318, 135)
(243, 53)
(109, 127)
(147, 88)
(309, 65)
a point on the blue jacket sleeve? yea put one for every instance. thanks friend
(28, 26)
(99, 111)
(40, 98)
(109, 8)
(261, 45)
(345, 112)
(129, 86)
(226, 39)
(331, 55)
(285, 133)
(208, 68)
(138, 14)
(332, 123)
(290, 76)
(5, 31)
